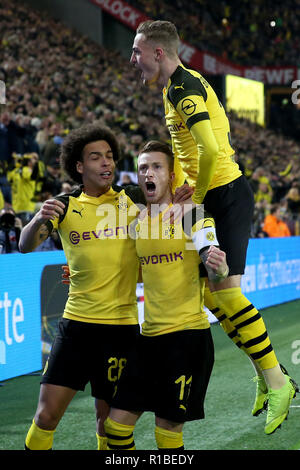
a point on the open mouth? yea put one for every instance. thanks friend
(150, 186)
(106, 174)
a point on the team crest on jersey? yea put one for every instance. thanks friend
(168, 232)
(122, 204)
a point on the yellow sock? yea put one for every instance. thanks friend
(251, 328)
(102, 442)
(168, 439)
(119, 436)
(39, 439)
(229, 329)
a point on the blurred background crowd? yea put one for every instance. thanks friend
(57, 80)
(246, 32)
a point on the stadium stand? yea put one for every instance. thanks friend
(248, 33)
(57, 80)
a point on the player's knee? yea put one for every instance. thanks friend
(46, 418)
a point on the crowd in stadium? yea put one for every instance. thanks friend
(255, 32)
(56, 80)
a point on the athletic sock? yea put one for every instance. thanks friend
(101, 442)
(39, 439)
(229, 329)
(119, 436)
(249, 324)
(166, 440)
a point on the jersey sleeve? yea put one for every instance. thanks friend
(189, 100)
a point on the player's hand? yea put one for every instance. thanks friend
(66, 275)
(182, 203)
(183, 193)
(216, 260)
(177, 211)
(50, 209)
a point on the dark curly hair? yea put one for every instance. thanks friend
(76, 140)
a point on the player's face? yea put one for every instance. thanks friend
(144, 57)
(155, 178)
(97, 167)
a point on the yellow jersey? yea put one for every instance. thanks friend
(101, 256)
(23, 190)
(188, 100)
(173, 290)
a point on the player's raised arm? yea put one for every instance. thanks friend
(208, 149)
(192, 109)
(36, 231)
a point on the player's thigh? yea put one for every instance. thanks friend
(118, 343)
(232, 206)
(68, 364)
(183, 371)
(134, 389)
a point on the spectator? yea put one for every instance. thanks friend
(274, 224)
(264, 193)
(26, 176)
(293, 200)
(10, 230)
(52, 178)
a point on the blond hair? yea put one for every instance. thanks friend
(163, 33)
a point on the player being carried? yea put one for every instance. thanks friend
(204, 157)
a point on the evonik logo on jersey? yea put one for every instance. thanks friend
(176, 127)
(108, 232)
(162, 258)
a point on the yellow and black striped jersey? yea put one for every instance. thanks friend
(101, 256)
(188, 100)
(173, 290)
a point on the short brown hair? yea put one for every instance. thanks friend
(74, 143)
(157, 146)
(161, 32)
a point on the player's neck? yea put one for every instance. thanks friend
(169, 68)
(154, 208)
(95, 192)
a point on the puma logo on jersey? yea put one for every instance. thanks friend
(179, 86)
(78, 212)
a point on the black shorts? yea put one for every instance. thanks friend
(88, 352)
(168, 376)
(232, 207)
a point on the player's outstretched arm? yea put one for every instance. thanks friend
(208, 149)
(214, 260)
(36, 231)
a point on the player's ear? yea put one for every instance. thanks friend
(159, 52)
(79, 167)
(172, 176)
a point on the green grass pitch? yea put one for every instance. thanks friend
(228, 424)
